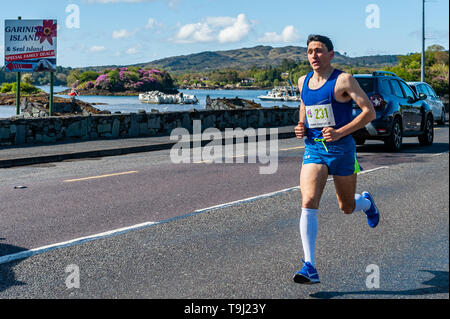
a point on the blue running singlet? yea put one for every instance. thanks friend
(322, 96)
(321, 107)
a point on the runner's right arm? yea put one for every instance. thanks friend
(300, 129)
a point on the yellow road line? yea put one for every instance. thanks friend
(100, 176)
(291, 148)
(210, 161)
(236, 156)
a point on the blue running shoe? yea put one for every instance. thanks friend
(307, 275)
(373, 215)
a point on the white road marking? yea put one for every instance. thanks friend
(366, 171)
(73, 242)
(439, 154)
(247, 155)
(82, 240)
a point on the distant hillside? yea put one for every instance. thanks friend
(257, 56)
(244, 58)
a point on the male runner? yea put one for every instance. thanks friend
(325, 119)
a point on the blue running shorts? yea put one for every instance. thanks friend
(340, 158)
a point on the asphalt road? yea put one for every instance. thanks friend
(247, 249)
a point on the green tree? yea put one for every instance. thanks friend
(436, 68)
(25, 88)
(73, 77)
(114, 76)
(27, 78)
(435, 48)
(88, 76)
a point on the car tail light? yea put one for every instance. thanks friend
(378, 102)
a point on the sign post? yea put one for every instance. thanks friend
(50, 102)
(30, 46)
(18, 87)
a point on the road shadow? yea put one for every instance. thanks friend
(7, 275)
(439, 284)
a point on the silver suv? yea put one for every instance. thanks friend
(437, 107)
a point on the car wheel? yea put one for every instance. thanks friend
(395, 140)
(428, 133)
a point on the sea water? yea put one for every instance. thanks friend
(131, 104)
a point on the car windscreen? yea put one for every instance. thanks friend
(367, 84)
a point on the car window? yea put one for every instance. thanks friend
(396, 88)
(424, 89)
(366, 84)
(385, 87)
(408, 92)
(420, 89)
(431, 91)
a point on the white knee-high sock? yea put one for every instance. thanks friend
(308, 233)
(361, 203)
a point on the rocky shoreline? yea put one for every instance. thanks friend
(170, 91)
(109, 93)
(230, 104)
(38, 105)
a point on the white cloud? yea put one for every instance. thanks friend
(220, 21)
(96, 49)
(220, 29)
(289, 34)
(153, 23)
(196, 32)
(131, 51)
(123, 33)
(235, 32)
(171, 3)
(117, 1)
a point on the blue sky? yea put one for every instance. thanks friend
(134, 31)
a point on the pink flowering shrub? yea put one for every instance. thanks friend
(129, 79)
(89, 85)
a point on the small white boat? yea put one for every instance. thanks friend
(157, 97)
(280, 94)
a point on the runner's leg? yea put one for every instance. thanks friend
(345, 192)
(313, 179)
(348, 200)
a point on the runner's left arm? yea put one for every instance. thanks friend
(350, 87)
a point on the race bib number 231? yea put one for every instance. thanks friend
(320, 115)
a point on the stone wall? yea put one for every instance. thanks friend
(16, 131)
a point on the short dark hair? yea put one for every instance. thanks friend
(322, 39)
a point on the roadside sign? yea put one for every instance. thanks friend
(30, 45)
